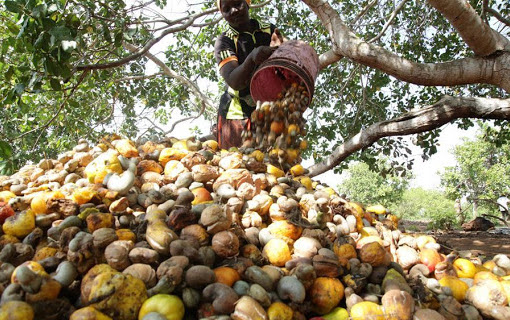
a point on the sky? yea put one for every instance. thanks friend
(426, 173)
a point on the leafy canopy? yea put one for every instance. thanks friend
(427, 205)
(481, 173)
(49, 102)
(370, 187)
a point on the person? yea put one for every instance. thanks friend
(503, 206)
(239, 51)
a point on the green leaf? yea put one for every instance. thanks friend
(19, 88)
(5, 150)
(4, 170)
(55, 84)
(9, 97)
(73, 21)
(36, 78)
(23, 28)
(106, 34)
(13, 6)
(9, 73)
(52, 8)
(39, 11)
(51, 67)
(48, 24)
(65, 72)
(12, 27)
(118, 38)
(61, 33)
(40, 41)
(37, 87)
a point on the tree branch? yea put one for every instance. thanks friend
(205, 24)
(329, 57)
(498, 16)
(44, 126)
(185, 23)
(491, 70)
(188, 21)
(204, 100)
(139, 7)
(485, 215)
(483, 13)
(364, 11)
(470, 27)
(140, 77)
(416, 121)
(171, 73)
(388, 23)
(152, 122)
(182, 120)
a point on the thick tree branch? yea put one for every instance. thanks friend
(470, 27)
(416, 121)
(492, 70)
(329, 57)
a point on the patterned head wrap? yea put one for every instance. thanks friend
(218, 3)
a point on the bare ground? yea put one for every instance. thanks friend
(480, 243)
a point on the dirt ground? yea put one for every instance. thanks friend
(480, 243)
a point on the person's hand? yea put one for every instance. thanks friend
(276, 38)
(260, 54)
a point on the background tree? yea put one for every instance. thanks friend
(370, 187)
(72, 69)
(427, 205)
(481, 173)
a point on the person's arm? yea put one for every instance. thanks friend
(238, 76)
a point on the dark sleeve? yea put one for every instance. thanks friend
(224, 50)
(272, 28)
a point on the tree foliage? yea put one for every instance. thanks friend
(427, 205)
(77, 69)
(50, 103)
(370, 187)
(481, 172)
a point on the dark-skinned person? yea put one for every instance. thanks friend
(239, 50)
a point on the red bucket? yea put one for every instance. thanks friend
(293, 61)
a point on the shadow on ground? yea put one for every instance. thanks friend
(480, 243)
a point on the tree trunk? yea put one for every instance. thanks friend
(458, 211)
(475, 209)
